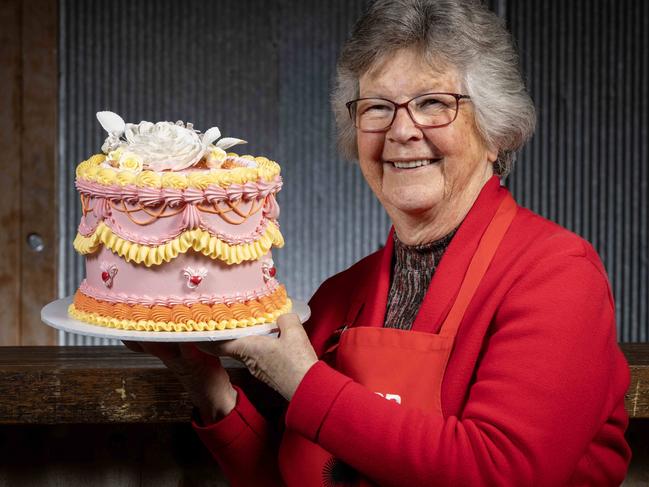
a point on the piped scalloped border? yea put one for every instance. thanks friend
(153, 326)
(197, 239)
(92, 170)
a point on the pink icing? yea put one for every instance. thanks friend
(215, 193)
(131, 194)
(190, 218)
(98, 209)
(154, 196)
(194, 195)
(148, 196)
(146, 300)
(166, 281)
(271, 208)
(164, 229)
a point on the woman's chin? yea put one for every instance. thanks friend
(414, 204)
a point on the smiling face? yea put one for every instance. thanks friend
(426, 178)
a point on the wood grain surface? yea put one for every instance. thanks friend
(10, 150)
(109, 416)
(28, 133)
(38, 175)
(59, 385)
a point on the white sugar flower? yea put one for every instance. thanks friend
(163, 145)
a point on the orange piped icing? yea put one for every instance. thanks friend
(240, 311)
(256, 309)
(267, 303)
(181, 314)
(160, 313)
(201, 312)
(196, 317)
(140, 312)
(220, 312)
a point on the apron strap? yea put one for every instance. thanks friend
(479, 263)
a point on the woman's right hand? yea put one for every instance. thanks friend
(201, 374)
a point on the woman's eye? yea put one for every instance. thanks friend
(377, 108)
(430, 102)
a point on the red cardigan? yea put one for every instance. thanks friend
(533, 393)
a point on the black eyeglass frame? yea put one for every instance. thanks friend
(405, 104)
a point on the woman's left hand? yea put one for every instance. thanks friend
(279, 362)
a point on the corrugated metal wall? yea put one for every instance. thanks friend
(587, 64)
(262, 70)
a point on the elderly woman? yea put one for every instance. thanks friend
(478, 347)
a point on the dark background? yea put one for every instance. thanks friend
(262, 70)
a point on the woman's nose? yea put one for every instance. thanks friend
(403, 127)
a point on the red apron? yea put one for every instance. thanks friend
(405, 366)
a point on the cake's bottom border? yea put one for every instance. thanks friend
(278, 305)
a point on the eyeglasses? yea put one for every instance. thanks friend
(430, 110)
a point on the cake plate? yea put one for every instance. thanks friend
(55, 315)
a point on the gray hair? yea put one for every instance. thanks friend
(463, 34)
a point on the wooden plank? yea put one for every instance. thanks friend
(637, 396)
(38, 177)
(10, 161)
(52, 385)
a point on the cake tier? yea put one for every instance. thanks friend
(188, 279)
(152, 218)
(179, 317)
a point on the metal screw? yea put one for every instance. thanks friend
(35, 242)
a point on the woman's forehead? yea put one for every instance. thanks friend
(407, 73)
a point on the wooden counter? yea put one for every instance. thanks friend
(64, 385)
(106, 416)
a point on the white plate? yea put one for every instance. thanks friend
(55, 315)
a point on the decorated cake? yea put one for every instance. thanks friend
(176, 232)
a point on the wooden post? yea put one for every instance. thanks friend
(28, 134)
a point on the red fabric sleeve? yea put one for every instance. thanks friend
(548, 378)
(243, 442)
(243, 445)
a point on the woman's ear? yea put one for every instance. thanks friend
(492, 154)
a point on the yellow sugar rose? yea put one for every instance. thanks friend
(130, 161)
(215, 157)
(96, 159)
(106, 176)
(91, 172)
(126, 177)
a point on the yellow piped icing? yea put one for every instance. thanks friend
(91, 170)
(197, 239)
(174, 180)
(149, 325)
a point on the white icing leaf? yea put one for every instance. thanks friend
(211, 135)
(227, 142)
(111, 122)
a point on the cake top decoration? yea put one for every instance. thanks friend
(161, 146)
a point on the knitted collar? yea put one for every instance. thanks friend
(422, 257)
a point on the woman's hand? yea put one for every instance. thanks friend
(279, 362)
(201, 374)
